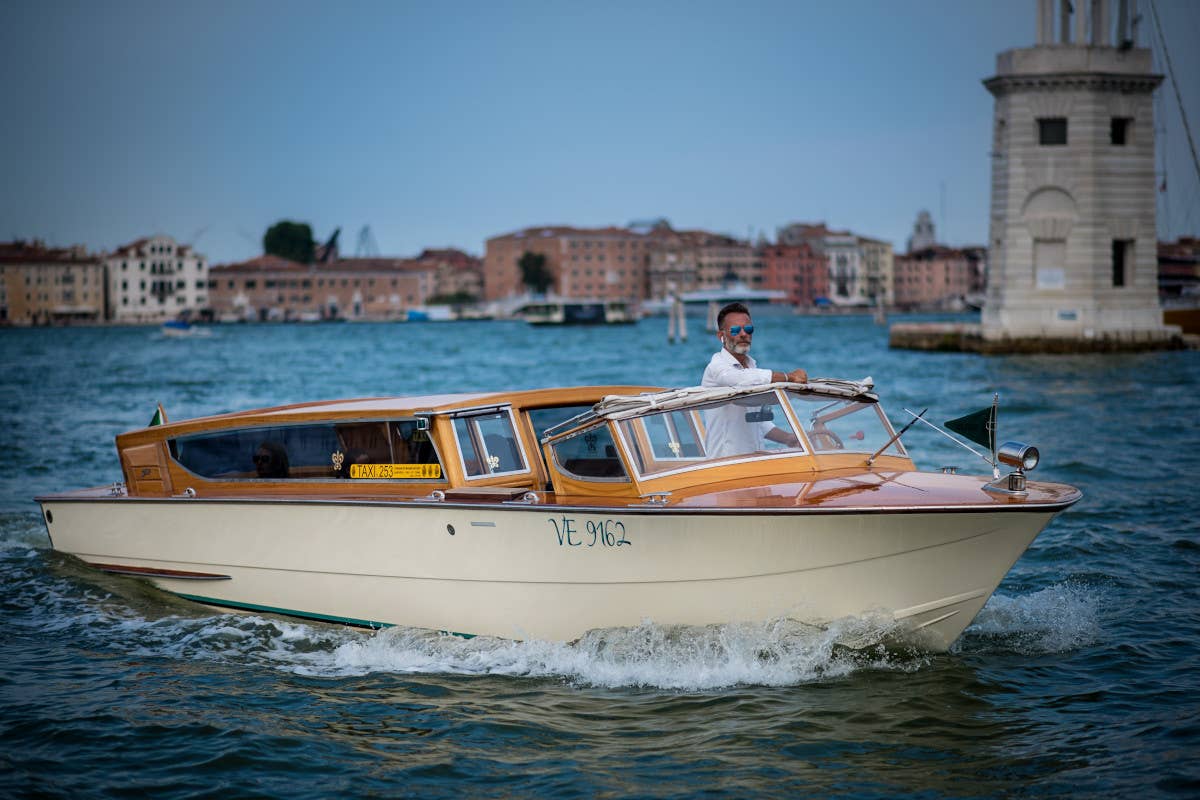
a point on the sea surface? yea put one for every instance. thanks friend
(1080, 677)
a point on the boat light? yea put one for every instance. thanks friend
(1021, 456)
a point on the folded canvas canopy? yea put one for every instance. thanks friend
(618, 406)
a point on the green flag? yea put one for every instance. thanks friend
(159, 417)
(979, 427)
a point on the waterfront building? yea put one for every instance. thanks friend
(932, 276)
(50, 286)
(697, 260)
(878, 262)
(155, 279)
(847, 276)
(1179, 269)
(724, 261)
(938, 278)
(608, 263)
(1072, 234)
(860, 268)
(797, 269)
(455, 273)
(672, 265)
(270, 288)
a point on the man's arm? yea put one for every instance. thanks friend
(795, 376)
(734, 375)
(783, 437)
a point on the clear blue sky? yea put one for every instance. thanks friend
(442, 124)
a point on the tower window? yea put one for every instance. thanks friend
(1052, 131)
(1122, 253)
(1119, 131)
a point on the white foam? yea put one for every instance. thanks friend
(1062, 617)
(778, 653)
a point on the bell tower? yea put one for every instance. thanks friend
(1072, 242)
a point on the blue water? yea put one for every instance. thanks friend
(1079, 679)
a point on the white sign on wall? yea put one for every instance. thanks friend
(1051, 278)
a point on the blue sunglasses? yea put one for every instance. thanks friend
(734, 330)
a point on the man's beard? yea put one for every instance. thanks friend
(740, 349)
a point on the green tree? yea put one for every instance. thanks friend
(534, 272)
(452, 299)
(290, 240)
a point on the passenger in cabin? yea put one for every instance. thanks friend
(271, 460)
(728, 431)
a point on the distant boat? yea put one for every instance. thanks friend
(178, 328)
(734, 291)
(578, 312)
(431, 314)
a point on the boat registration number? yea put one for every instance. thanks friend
(395, 470)
(591, 533)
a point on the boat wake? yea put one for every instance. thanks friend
(1057, 619)
(777, 653)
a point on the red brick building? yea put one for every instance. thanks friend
(270, 288)
(799, 270)
(939, 277)
(455, 273)
(584, 262)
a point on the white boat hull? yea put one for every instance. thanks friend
(540, 572)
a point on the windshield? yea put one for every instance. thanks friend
(749, 425)
(834, 425)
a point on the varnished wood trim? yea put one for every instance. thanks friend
(622, 505)
(156, 572)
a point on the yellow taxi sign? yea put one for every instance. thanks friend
(394, 471)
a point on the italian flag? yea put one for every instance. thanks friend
(159, 417)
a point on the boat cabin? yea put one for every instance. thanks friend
(603, 444)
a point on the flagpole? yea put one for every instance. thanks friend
(994, 427)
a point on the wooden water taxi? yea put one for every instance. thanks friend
(547, 513)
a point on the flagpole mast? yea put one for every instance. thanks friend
(994, 426)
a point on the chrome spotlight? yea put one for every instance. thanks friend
(1022, 456)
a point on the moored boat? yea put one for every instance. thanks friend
(174, 328)
(579, 312)
(548, 513)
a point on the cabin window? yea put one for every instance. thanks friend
(747, 425)
(843, 425)
(591, 453)
(488, 444)
(543, 419)
(666, 440)
(375, 450)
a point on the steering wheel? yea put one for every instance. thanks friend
(825, 439)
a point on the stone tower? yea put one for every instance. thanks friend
(1072, 244)
(923, 235)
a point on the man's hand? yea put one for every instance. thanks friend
(797, 376)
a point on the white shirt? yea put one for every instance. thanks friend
(727, 433)
(725, 370)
